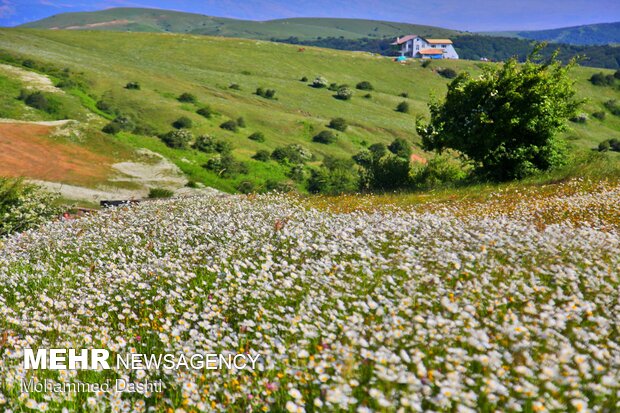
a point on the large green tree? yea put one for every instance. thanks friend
(505, 121)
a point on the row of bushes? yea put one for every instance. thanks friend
(609, 145)
(601, 79)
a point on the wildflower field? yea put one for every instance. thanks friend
(507, 304)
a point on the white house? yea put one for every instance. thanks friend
(416, 46)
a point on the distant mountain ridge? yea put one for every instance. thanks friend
(154, 20)
(591, 34)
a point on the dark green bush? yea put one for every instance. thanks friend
(112, 128)
(177, 139)
(609, 145)
(257, 136)
(426, 63)
(187, 98)
(192, 184)
(279, 186)
(344, 93)
(338, 124)
(401, 148)
(234, 86)
(335, 176)
(204, 143)
(403, 107)
(226, 166)
(266, 93)
(205, 112)
(617, 74)
(262, 155)
(183, 123)
(325, 137)
(120, 123)
(367, 96)
(159, 193)
(613, 107)
(600, 115)
(104, 106)
(580, 118)
(320, 82)
(133, 86)
(333, 87)
(241, 122)
(291, 154)
(448, 73)
(601, 79)
(230, 125)
(246, 187)
(365, 85)
(404, 95)
(304, 79)
(41, 101)
(439, 171)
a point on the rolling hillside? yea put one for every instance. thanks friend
(591, 34)
(168, 65)
(151, 20)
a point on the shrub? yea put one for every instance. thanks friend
(304, 79)
(580, 118)
(204, 143)
(344, 93)
(401, 148)
(266, 93)
(159, 193)
(192, 184)
(520, 108)
(439, 171)
(601, 79)
(617, 74)
(367, 96)
(230, 125)
(112, 128)
(120, 123)
(338, 124)
(297, 173)
(403, 107)
(404, 95)
(262, 155)
(325, 137)
(600, 115)
(40, 101)
(246, 187)
(187, 98)
(320, 82)
(226, 166)
(234, 86)
(133, 86)
(291, 154)
(604, 146)
(30, 64)
(365, 85)
(609, 145)
(613, 107)
(183, 123)
(426, 63)
(104, 106)
(448, 73)
(177, 139)
(205, 112)
(257, 136)
(241, 122)
(279, 186)
(333, 87)
(335, 176)
(24, 206)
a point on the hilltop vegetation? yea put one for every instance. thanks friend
(242, 115)
(589, 34)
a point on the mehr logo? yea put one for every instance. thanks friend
(56, 359)
(97, 359)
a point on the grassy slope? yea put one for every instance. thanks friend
(167, 65)
(136, 19)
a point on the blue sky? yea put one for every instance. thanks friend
(473, 15)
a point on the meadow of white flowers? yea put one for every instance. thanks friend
(509, 305)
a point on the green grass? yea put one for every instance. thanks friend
(167, 65)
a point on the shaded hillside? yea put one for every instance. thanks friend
(591, 34)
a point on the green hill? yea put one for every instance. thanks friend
(152, 20)
(167, 65)
(589, 34)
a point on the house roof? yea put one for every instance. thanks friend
(431, 51)
(439, 41)
(405, 39)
